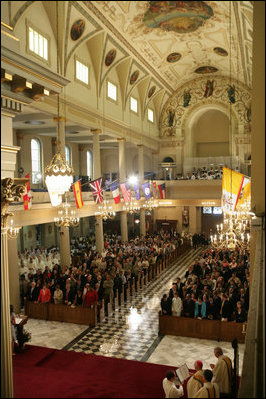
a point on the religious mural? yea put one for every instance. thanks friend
(186, 98)
(206, 69)
(134, 77)
(177, 16)
(220, 51)
(231, 93)
(173, 57)
(208, 89)
(151, 91)
(77, 29)
(110, 56)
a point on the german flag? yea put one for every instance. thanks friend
(78, 195)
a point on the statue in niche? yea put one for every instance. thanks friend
(186, 98)
(231, 93)
(171, 117)
(185, 217)
(248, 114)
(209, 88)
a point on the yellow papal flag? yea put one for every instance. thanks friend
(231, 189)
(245, 193)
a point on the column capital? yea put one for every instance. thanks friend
(96, 131)
(59, 119)
(121, 139)
(140, 145)
(81, 147)
(54, 140)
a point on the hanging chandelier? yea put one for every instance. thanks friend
(66, 217)
(12, 232)
(150, 204)
(58, 178)
(105, 211)
(132, 207)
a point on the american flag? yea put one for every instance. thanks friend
(96, 188)
(126, 192)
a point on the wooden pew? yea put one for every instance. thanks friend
(206, 329)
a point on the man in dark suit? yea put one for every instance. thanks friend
(69, 294)
(32, 293)
(179, 287)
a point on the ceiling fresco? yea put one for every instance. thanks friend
(197, 31)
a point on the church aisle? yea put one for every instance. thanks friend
(131, 331)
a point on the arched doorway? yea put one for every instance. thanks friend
(168, 168)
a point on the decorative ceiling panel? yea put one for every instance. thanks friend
(193, 29)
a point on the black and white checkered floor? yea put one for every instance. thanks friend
(131, 331)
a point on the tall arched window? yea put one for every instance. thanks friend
(67, 153)
(89, 164)
(36, 169)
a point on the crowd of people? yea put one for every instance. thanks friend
(215, 287)
(215, 382)
(91, 276)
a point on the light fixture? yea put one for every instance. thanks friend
(58, 178)
(150, 204)
(66, 217)
(132, 207)
(105, 211)
(12, 232)
(132, 180)
(58, 174)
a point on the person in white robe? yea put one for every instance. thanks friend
(196, 381)
(170, 388)
(176, 305)
(209, 389)
(222, 371)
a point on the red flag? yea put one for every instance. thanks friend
(162, 190)
(126, 192)
(78, 194)
(27, 197)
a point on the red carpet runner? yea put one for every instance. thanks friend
(50, 373)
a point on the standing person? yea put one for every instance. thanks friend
(169, 387)
(58, 295)
(108, 287)
(176, 305)
(195, 383)
(13, 332)
(166, 305)
(45, 295)
(222, 372)
(91, 297)
(209, 389)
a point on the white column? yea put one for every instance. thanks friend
(96, 174)
(122, 178)
(65, 258)
(14, 274)
(192, 220)
(6, 348)
(155, 163)
(141, 180)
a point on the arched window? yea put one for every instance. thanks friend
(67, 153)
(168, 159)
(89, 164)
(36, 161)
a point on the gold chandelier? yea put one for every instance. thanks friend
(105, 211)
(66, 217)
(132, 207)
(12, 232)
(150, 204)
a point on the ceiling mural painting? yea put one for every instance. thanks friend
(77, 29)
(110, 56)
(134, 77)
(220, 51)
(206, 69)
(151, 91)
(177, 16)
(151, 30)
(173, 57)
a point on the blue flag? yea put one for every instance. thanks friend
(147, 190)
(137, 191)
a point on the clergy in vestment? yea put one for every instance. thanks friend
(195, 383)
(222, 372)
(209, 389)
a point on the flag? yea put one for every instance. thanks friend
(96, 188)
(162, 190)
(126, 192)
(78, 194)
(137, 191)
(231, 189)
(115, 191)
(154, 190)
(27, 197)
(245, 193)
(147, 190)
